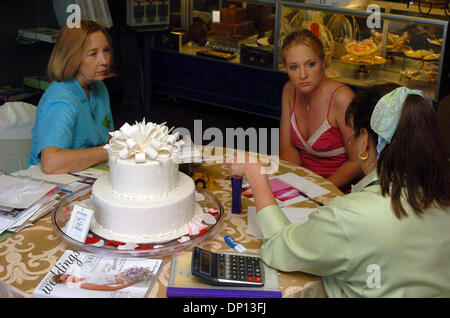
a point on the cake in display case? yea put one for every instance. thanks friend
(233, 24)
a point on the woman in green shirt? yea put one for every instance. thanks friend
(389, 237)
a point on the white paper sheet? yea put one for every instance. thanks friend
(295, 216)
(36, 173)
(27, 198)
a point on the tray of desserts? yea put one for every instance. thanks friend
(423, 55)
(217, 54)
(420, 75)
(436, 42)
(213, 215)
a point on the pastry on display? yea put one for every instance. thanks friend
(363, 53)
(436, 41)
(366, 47)
(432, 57)
(420, 75)
(235, 31)
(233, 24)
(233, 15)
(394, 42)
(420, 54)
(261, 15)
(144, 198)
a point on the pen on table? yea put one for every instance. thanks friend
(235, 244)
(309, 198)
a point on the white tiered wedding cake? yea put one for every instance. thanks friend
(144, 198)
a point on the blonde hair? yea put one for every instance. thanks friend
(69, 48)
(303, 37)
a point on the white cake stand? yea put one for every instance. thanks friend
(96, 244)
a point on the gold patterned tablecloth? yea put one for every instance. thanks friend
(27, 256)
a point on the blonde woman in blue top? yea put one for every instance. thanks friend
(74, 115)
(389, 237)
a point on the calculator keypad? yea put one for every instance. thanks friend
(238, 267)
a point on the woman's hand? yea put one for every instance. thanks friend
(252, 169)
(244, 164)
(245, 169)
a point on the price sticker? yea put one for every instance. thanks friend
(79, 223)
(216, 16)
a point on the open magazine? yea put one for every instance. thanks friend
(86, 275)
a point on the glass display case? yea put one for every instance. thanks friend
(366, 43)
(383, 42)
(220, 29)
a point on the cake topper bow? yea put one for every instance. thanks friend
(143, 141)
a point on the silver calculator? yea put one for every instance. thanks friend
(227, 269)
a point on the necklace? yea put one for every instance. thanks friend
(308, 106)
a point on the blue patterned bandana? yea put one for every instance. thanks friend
(386, 114)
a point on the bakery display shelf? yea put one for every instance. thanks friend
(245, 85)
(96, 244)
(401, 31)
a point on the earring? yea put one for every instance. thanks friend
(363, 157)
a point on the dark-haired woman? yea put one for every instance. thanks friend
(388, 238)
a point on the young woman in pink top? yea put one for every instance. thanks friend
(312, 128)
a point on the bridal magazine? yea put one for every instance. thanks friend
(86, 275)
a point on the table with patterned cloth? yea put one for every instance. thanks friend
(27, 256)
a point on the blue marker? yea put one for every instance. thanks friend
(235, 244)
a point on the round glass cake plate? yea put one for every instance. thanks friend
(61, 216)
(361, 71)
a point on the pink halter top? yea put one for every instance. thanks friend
(324, 151)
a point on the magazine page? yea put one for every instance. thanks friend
(86, 275)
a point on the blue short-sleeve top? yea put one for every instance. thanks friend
(67, 119)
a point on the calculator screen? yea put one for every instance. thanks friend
(205, 262)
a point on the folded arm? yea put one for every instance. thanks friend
(57, 160)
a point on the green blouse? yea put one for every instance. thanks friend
(361, 249)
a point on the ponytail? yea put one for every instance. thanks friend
(416, 162)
